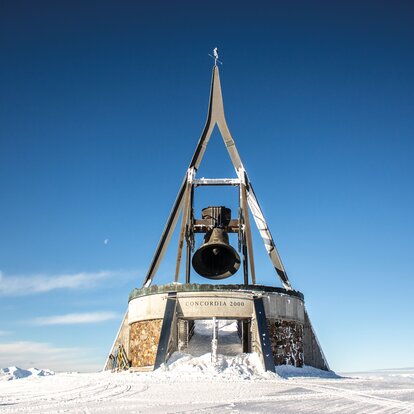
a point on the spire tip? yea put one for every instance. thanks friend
(215, 57)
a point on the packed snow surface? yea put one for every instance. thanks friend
(192, 383)
(189, 384)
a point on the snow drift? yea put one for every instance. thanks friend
(12, 373)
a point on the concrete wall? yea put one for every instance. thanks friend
(204, 305)
(255, 340)
(193, 306)
(279, 306)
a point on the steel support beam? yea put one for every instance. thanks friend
(166, 234)
(216, 181)
(263, 332)
(266, 236)
(247, 232)
(165, 336)
(185, 219)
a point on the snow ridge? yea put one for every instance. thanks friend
(13, 373)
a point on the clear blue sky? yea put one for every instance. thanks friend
(101, 106)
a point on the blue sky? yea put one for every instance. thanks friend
(101, 107)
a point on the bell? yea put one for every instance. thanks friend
(216, 259)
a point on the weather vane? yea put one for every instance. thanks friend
(215, 57)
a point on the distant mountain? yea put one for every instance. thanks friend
(12, 373)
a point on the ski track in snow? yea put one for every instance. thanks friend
(146, 392)
(193, 384)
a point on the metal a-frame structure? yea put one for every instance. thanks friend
(183, 204)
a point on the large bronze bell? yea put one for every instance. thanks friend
(216, 259)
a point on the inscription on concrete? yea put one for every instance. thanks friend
(215, 306)
(215, 303)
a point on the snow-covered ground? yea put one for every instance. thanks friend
(192, 384)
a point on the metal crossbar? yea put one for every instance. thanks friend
(216, 181)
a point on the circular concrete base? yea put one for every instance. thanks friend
(267, 317)
(204, 301)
